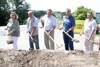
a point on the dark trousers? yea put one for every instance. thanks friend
(31, 43)
(68, 42)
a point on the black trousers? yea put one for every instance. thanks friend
(68, 42)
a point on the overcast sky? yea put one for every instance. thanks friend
(61, 5)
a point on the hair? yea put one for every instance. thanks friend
(30, 11)
(49, 10)
(16, 16)
(90, 12)
(68, 9)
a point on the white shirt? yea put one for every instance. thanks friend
(49, 23)
(89, 25)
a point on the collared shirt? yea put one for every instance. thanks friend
(13, 25)
(68, 22)
(89, 25)
(49, 23)
(32, 22)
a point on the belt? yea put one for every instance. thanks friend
(47, 30)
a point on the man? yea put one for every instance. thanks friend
(49, 22)
(68, 27)
(89, 31)
(32, 25)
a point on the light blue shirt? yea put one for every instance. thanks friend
(49, 23)
(32, 22)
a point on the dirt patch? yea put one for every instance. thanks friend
(48, 58)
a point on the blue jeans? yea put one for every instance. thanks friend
(31, 43)
(68, 42)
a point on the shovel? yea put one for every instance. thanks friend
(74, 40)
(94, 42)
(53, 40)
(33, 40)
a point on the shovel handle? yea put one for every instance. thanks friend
(52, 39)
(75, 40)
(92, 41)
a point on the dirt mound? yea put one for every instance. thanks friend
(49, 58)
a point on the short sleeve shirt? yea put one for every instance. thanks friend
(89, 25)
(14, 25)
(32, 22)
(49, 23)
(68, 22)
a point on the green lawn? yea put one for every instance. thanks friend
(59, 22)
(97, 34)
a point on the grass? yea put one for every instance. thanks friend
(59, 22)
(97, 34)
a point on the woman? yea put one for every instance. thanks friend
(13, 29)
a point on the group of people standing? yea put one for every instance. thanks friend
(49, 23)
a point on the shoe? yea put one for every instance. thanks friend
(99, 48)
(31, 49)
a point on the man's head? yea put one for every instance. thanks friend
(68, 12)
(30, 13)
(49, 12)
(90, 15)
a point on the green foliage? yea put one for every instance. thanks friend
(21, 8)
(81, 13)
(59, 15)
(4, 12)
(39, 14)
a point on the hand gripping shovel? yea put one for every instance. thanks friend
(74, 40)
(94, 42)
(33, 40)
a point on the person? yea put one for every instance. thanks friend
(49, 23)
(32, 26)
(13, 29)
(68, 26)
(89, 31)
(99, 42)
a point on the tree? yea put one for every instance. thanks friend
(4, 12)
(58, 15)
(39, 14)
(21, 7)
(81, 13)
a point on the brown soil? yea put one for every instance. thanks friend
(48, 58)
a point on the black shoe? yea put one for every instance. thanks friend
(31, 49)
(99, 48)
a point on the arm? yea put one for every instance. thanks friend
(94, 26)
(15, 27)
(73, 25)
(7, 25)
(71, 29)
(33, 30)
(52, 29)
(54, 25)
(92, 32)
(34, 27)
(11, 32)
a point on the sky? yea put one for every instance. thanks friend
(61, 5)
